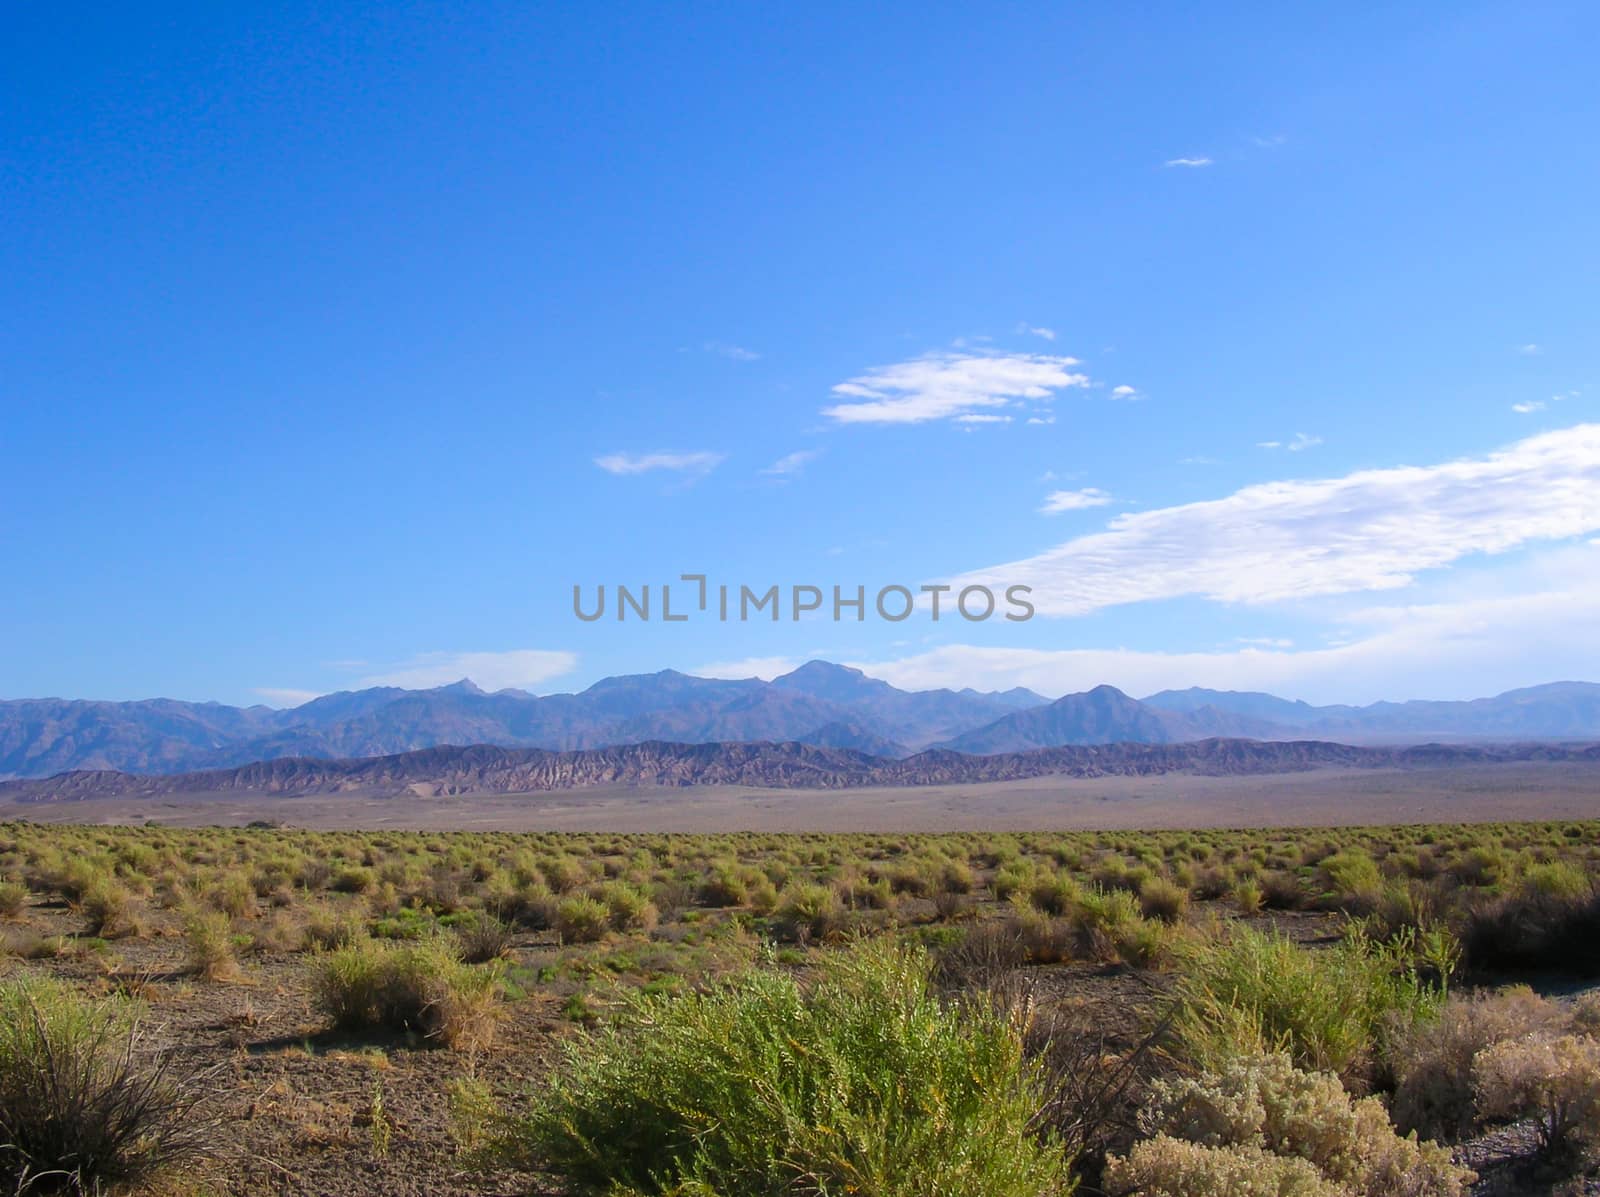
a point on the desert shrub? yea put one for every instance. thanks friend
(1282, 891)
(1095, 1077)
(424, 987)
(808, 912)
(482, 938)
(861, 1083)
(353, 881)
(83, 1105)
(1263, 1106)
(1555, 879)
(209, 945)
(724, 888)
(626, 908)
(1252, 993)
(1552, 1079)
(110, 909)
(1530, 932)
(1168, 1167)
(13, 899)
(1161, 899)
(1350, 880)
(1247, 895)
(327, 928)
(1585, 1016)
(234, 896)
(983, 958)
(1432, 1060)
(580, 919)
(1054, 893)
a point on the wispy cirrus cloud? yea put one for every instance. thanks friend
(1031, 330)
(1367, 531)
(734, 353)
(951, 386)
(1529, 407)
(1299, 443)
(643, 463)
(792, 465)
(1126, 392)
(521, 668)
(1192, 162)
(1074, 500)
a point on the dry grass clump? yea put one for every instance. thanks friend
(84, 1106)
(424, 987)
(1432, 1060)
(13, 899)
(1552, 1079)
(210, 946)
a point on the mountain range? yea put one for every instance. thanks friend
(485, 769)
(821, 705)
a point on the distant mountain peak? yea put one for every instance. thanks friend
(465, 686)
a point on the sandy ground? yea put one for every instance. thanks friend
(1321, 798)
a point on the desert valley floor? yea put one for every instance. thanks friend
(1322, 797)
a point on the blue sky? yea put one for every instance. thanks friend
(338, 343)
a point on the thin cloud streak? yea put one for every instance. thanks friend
(950, 386)
(1367, 531)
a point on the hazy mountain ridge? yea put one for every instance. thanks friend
(821, 704)
(42, 737)
(485, 769)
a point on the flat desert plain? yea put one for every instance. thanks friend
(1327, 797)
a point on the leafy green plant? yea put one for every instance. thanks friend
(861, 1083)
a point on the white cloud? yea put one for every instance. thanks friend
(518, 667)
(278, 697)
(765, 668)
(1528, 408)
(1530, 349)
(982, 418)
(945, 386)
(1124, 392)
(1371, 530)
(1542, 629)
(640, 463)
(1198, 160)
(1268, 143)
(1074, 500)
(1048, 334)
(734, 353)
(791, 465)
(1299, 443)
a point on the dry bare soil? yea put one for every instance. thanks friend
(1323, 797)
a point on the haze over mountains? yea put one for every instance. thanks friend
(820, 705)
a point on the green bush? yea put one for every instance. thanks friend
(1332, 1009)
(863, 1083)
(13, 898)
(82, 1106)
(581, 920)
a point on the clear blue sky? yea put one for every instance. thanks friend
(337, 343)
